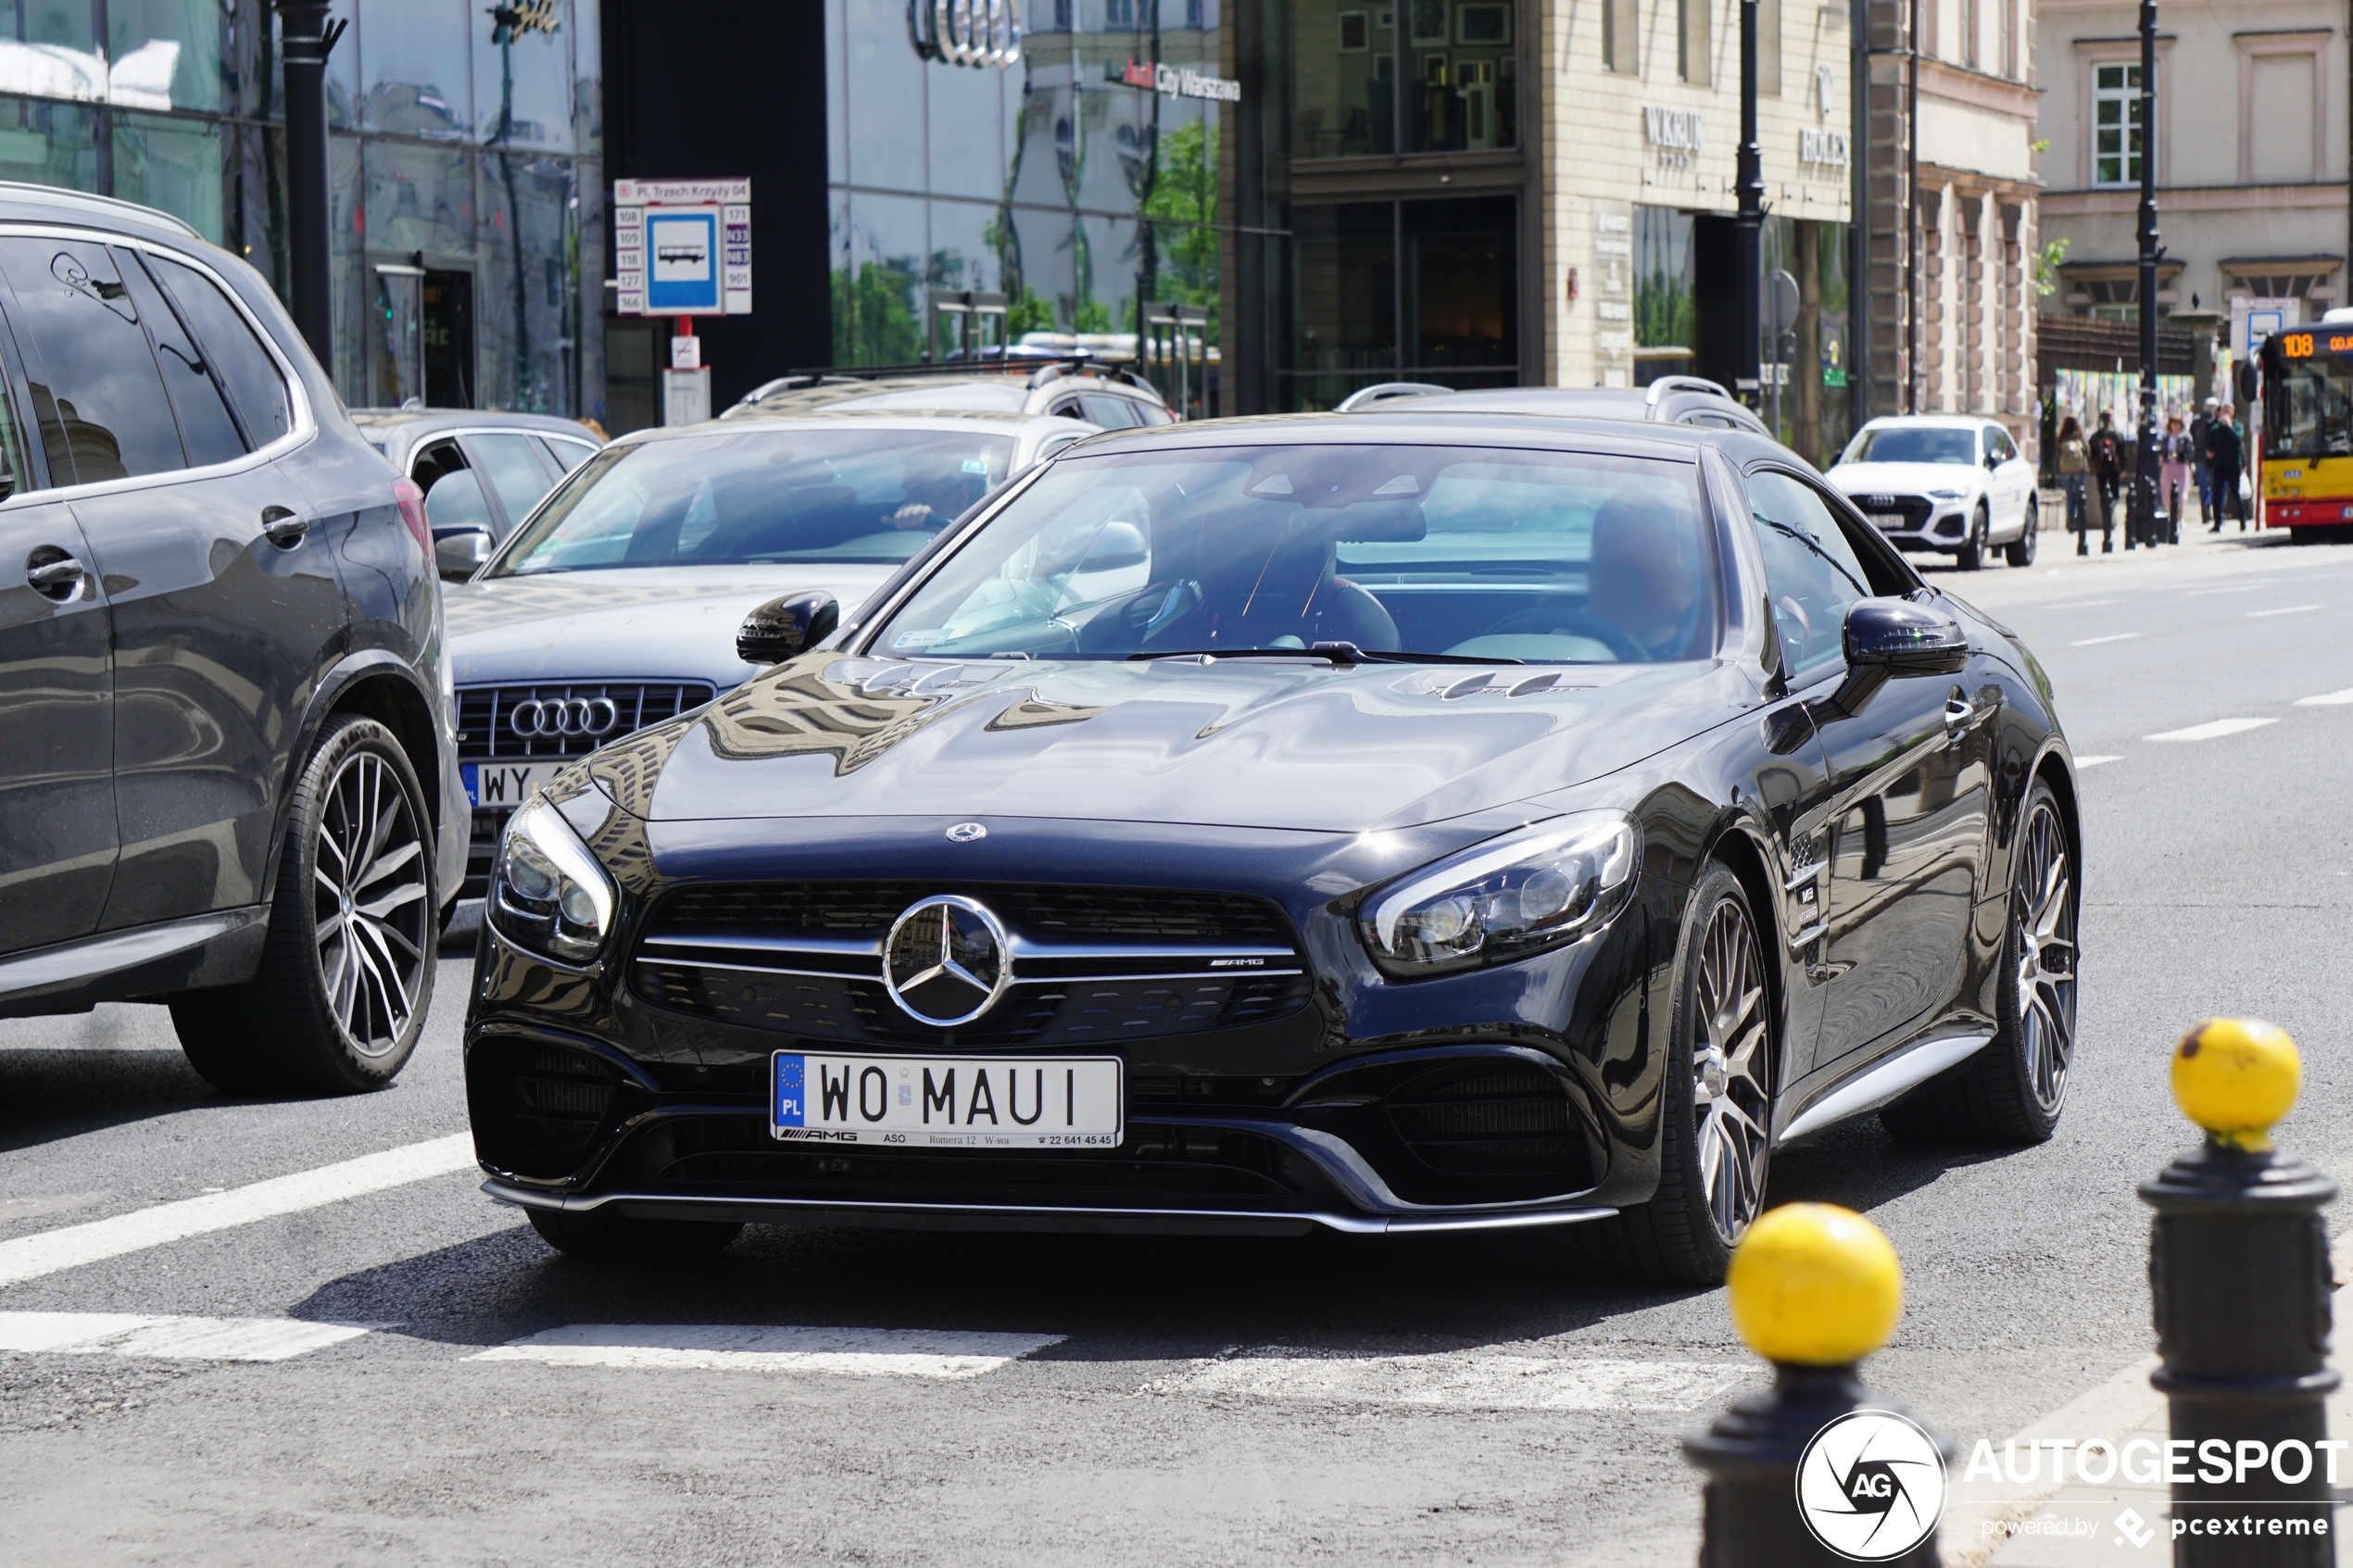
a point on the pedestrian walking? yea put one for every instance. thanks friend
(2173, 453)
(2074, 468)
(2108, 469)
(2225, 457)
(2200, 423)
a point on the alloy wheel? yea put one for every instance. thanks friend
(369, 906)
(2044, 911)
(1731, 1093)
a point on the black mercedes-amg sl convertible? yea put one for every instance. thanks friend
(1392, 822)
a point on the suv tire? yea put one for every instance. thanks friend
(599, 1232)
(2020, 550)
(1971, 555)
(1715, 1149)
(348, 968)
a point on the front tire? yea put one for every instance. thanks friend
(2013, 1091)
(1716, 1101)
(346, 970)
(2020, 551)
(1971, 555)
(600, 1233)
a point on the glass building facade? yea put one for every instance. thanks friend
(464, 157)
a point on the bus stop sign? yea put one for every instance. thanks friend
(683, 247)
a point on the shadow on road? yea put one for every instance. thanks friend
(1177, 1296)
(1860, 1167)
(46, 1095)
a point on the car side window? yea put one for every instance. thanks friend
(1110, 410)
(515, 469)
(1811, 571)
(2004, 448)
(255, 386)
(568, 454)
(1153, 414)
(102, 409)
(207, 428)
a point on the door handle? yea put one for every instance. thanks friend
(54, 574)
(284, 529)
(1959, 715)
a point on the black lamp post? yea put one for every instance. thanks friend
(306, 39)
(2141, 527)
(1748, 228)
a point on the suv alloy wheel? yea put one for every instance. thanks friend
(347, 968)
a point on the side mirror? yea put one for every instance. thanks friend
(1888, 639)
(785, 626)
(458, 555)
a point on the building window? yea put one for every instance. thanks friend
(1419, 76)
(2009, 39)
(1968, 34)
(1690, 41)
(1119, 16)
(1620, 26)
(2116, 124)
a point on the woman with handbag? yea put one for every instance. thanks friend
(2074, 470)
(2173, 456)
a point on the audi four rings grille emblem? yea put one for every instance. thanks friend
(570, 716)
(947, 960)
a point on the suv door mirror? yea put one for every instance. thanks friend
(459, 553)
(783, 627)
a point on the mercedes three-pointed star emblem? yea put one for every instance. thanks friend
(947, 960)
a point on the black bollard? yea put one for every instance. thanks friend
(2239, 1281)
(1814, 1288)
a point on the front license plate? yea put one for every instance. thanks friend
(949, 1101)
(488, 784)
(1889, 522)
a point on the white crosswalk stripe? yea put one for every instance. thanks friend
(2112, 637)
(2084, 763)
(2214, 729)
(70, 1247)
(1470, 1380)
(2327, 699)
(853, 1353)
(177, 1338)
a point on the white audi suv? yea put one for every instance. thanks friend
(1954, 483)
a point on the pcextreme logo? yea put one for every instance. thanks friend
(1870, 1486)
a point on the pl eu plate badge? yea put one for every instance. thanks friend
(791, 1071)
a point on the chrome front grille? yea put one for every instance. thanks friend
(565, 719)
(1089, 964)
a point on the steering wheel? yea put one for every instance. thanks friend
(1574, 623)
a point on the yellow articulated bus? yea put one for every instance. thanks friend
(2307, 458)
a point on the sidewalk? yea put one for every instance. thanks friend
(2084, 1526)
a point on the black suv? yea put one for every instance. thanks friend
(227, 776)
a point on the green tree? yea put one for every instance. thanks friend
(1184, 208)
(874, 319)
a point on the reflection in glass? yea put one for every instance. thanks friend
(414, 55)
(1666, 309)
(587, 71)
(1345, 54)
(1347, 301)
(110, 412)
(47, 143)
(165, 54)
(353, 296)
(1460, 284)
(419, 199)
(523, 81)
(1460, 83)
(962, 113)
(174, 164)
(526, 311)
(879, 298)
(885, 140)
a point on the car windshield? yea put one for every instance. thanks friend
(788, 493)
(1915, 444)
(1475, 553)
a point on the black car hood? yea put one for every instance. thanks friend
(1240, 743)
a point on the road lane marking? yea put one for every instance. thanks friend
(198, 1339)
(853, 1352)
(2084, 763)
(70, 1247)
(2289, 609)
(2214, 729)
(2240, 588)
(2080, 604)
(2327, 699)
(1477, 1380)
(2113, 637)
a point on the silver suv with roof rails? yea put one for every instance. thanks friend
(482, 471)
(1103, 395)
(1681, 400)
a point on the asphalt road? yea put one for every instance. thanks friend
(1230, 1402)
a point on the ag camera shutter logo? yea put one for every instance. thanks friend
(1870, 1486)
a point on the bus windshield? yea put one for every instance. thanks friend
(2308, 405)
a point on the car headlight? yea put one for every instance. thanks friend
(548, 895)
(1510, 896)
(1948, 495)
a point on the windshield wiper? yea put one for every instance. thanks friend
(1337, 653)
